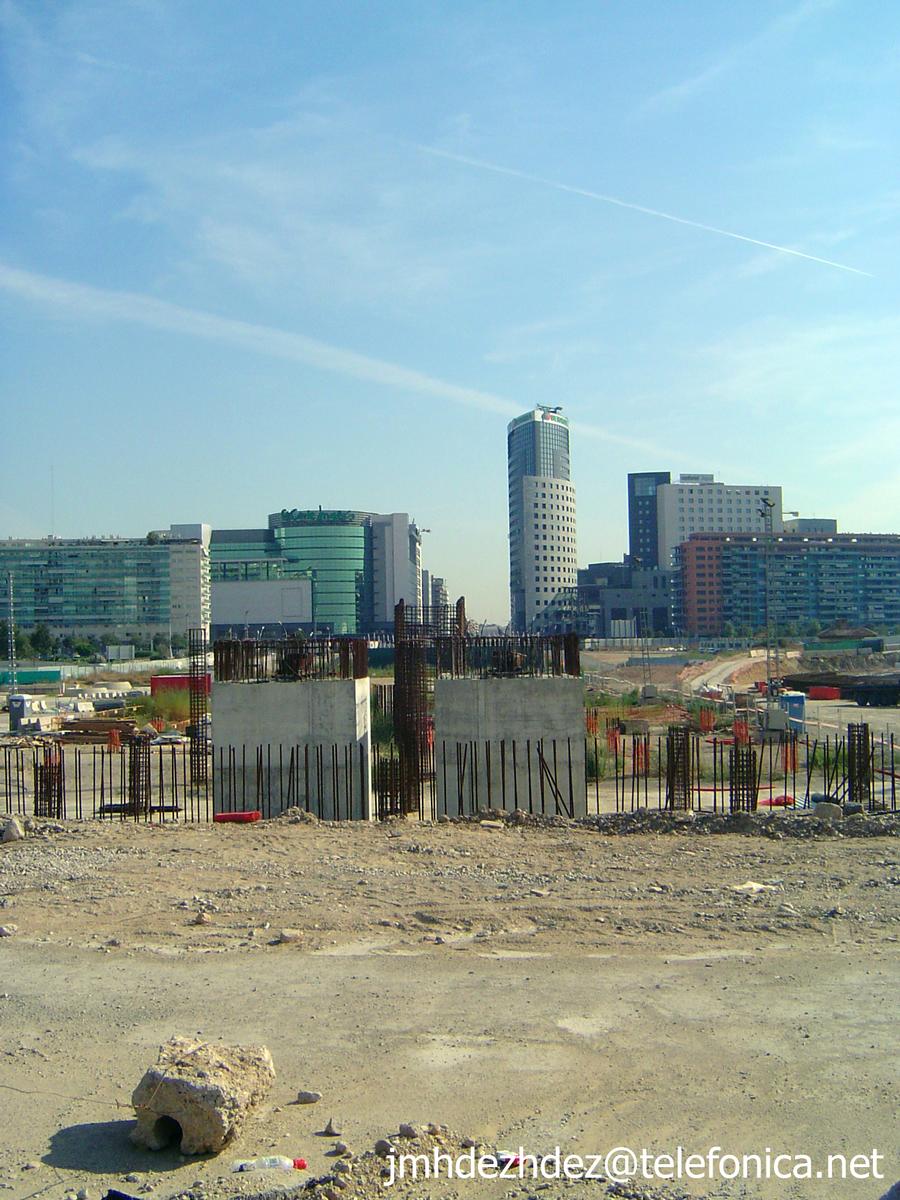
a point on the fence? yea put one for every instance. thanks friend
(688, 770)
(681, 769)
(136, 781)
(333, 781)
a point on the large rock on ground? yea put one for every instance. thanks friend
(825, 811)
(11, 829)
(198, 1094)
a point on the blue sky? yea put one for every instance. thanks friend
(261, 255)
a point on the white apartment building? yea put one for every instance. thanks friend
(698, 504)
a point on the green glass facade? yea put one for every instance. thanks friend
(334, 548)
(238, 555)
(336, 556)
(72, 586)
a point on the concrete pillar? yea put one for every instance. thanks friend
(303, 743)
(510, 743)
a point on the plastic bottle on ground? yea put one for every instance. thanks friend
(271, 1162)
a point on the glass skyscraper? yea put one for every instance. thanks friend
(542, 535)
(643, 527)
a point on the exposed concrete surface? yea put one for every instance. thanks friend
(198, 1095)
(305, 720)
(543, 716)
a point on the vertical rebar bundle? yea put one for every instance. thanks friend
(198, 685)
(743, 782)
(411, 720)
(49, 783)
(139, 777)
(678, 767)
(860, 753)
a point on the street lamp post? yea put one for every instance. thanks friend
(766, 508)
(11, 635)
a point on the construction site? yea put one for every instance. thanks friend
(482, 896)
(465, 724)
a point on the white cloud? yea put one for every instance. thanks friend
(101, 304)
(90, 303)
(778, 31)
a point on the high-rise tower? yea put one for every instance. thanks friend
(542, 549)
(643, 528)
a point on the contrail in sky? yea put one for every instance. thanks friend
(92, 303)
(650, 212)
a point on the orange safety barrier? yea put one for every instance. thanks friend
(707, 720)
(742, 732)
(114, 740)
(640, 758)
(789, 756)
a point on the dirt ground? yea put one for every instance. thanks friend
(534, 986)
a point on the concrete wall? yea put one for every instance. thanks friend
(261, 602)
(490, 736)
(324, 722)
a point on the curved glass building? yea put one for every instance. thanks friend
(357, 565)
(336, 549)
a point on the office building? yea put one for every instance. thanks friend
(114, 589)
(613, 600)
(698, 504)
(315, 570)
(643, 526)
(434, 591)
(542, 535)
(831, 579)
(439, 596)
(624, 600)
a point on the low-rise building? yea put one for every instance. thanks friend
(613, 599)
(728, 580)
(112, 588)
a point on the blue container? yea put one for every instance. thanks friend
(794, 704)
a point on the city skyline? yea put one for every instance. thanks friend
(245, 261)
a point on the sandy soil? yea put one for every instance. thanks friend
(541, 986)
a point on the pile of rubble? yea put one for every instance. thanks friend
(785, 823)
(368, 1175)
